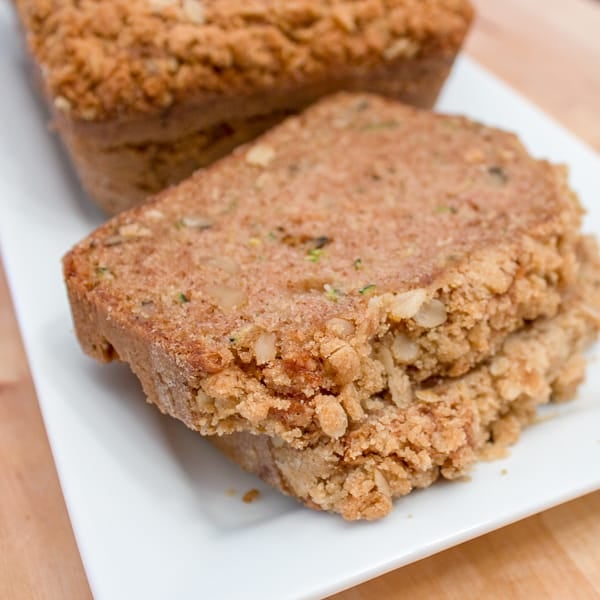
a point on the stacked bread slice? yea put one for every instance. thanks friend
(365, 298)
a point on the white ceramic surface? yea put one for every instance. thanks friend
(148, 499)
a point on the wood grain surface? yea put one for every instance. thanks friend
(550, 51)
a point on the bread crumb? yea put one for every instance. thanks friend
(503, 472)
(231, 492)
(250, 496)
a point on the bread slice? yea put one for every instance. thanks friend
(361, 249)
(143, 92)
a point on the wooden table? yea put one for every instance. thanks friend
(548, 50)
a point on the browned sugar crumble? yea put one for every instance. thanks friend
(441, 434)
(102, 60)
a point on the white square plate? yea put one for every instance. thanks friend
(148, 498)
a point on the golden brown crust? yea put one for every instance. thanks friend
(111, 60)
(357, 250)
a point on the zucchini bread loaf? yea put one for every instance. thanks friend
(144, 92)
(363, 298)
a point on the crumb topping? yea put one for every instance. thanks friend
(250, 496)
(102, 60)
(441, 433)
